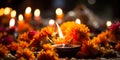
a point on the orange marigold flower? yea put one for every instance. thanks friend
(24, 37)
(23, 44)
(13, 46)
(77, 32)
(47, 53)
(25, 53)
(3, 51)
(101, 38)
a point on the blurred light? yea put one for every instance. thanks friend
(28, 10)
(59, 11)
(12, 23)
(13, 13)
(37, 12)
(1, 11)
(91, 2)
(20, 17)
(95, 24)
(78, 21)
(108, 23)
(7, 10)
(71, 13)
(51, 22)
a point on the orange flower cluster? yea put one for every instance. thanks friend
(101, 38)
(75, 32)
(47, 53)
(24, 37)
(25, 54)
(3, 51)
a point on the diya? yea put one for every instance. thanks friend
(67, 50)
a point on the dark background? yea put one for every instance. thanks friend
(106, 9)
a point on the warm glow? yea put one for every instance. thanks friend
(51, 22)
(108, 23)
(1, 11)
(59, 31)
(13, 13)
(28, 10)
(59, 11)
(20, 17)
(7, 10)
(78, 21)
(12, 23)
(37, 12)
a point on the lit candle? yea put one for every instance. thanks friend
(51, 22)
(13, 14)
(28, 14)
(1, 11)
(59, 15)
(78, 21)
(7, 11)
(108, 23)
(12, 23)
(20, 22)
(37, 15)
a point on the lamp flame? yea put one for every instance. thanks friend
(108, 23)
(78, 21)
(20, 17)
(59, 31)
(13, 13)
(51, 22)
(59, 11)
(28, 10)
(37, 12)
(12, 22)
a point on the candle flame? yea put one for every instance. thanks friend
(37, 12)
(59, 31)
(59, 11)
(7, 10)
(1, 11)
(28, 10)
(108, 23)
(12, 22)
(20, 17)
(78, 21)
(13, 13)
(51, 22)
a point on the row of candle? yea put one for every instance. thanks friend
(28, 15)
